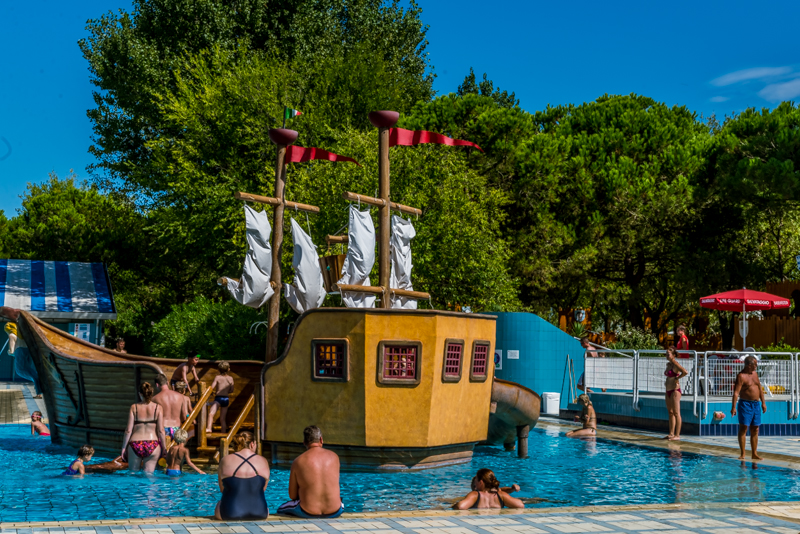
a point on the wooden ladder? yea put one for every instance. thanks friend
(212, 447)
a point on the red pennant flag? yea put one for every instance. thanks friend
(298, 154)
(401, 137)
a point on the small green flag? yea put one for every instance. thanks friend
(289, 113)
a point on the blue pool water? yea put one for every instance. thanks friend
(560, 472)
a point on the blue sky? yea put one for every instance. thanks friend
(713, 57)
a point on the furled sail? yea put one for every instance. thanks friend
(360, 259)
(253, 289)
(400, 245)
(308, 290)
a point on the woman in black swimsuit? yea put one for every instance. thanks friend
(487, 493)
(243, 479)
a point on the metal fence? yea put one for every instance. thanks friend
(709, 374)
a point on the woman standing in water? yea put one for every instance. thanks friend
(143, 442)
(588, 417)
(674, 373)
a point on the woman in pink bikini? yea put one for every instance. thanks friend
(674, 373)
(143, 442)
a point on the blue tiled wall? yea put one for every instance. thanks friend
(543, 351)
(775, 422)
(619, 410)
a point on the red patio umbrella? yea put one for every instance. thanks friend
(744, 300)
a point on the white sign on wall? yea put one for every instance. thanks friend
(498, 360)
(82, 331)
(513, 355)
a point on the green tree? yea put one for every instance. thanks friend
(133, 56)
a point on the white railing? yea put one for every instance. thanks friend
(709, 374)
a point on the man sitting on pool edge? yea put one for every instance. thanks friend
(314, 481)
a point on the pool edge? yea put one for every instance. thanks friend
(639, 439)
(784, 510)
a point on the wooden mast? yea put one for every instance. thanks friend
(282, 138)
(385, 211)
(383, 120)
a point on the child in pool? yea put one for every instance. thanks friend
(178, 453)
(37, 427)
(85, 454)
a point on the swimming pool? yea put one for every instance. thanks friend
(560, 472)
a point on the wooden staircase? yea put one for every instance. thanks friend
(211, 447)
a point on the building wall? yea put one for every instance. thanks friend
(543, 351)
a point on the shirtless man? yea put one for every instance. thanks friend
(223, 387)
(176, 406)
(183, 369)
(314, 481)
(748, 389)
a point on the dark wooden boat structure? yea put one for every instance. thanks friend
(88, 390)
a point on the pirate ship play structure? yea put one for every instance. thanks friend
(392, 387)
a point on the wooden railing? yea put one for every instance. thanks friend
(199, 410)
(224, 442)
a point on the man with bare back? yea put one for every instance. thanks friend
(176, 406)
(314, 481)
(748, 389)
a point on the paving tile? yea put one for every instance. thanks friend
(671, 515)
(702, 523)
(642, 525)
(514, 529)
(444, 530)
(494, 521)
(554, 519)
(578, 527)
(747, 521)
(735, 530)
(615, 517)
(426, 523)
(358, 525)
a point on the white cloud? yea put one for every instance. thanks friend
(719, 98)
(781, 91)
(757, 73)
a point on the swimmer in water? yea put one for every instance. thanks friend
(37, 427)
(487, 493)
(85, 454)
(178, 454)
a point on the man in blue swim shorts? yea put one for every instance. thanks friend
(750, 406)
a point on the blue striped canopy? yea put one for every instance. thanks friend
(57, 289)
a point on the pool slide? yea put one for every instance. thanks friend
(515, 410)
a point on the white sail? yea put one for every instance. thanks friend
(400, 246)
(360, 259)
(308, 290)
(253, 288)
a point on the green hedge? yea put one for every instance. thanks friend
(212, 329)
